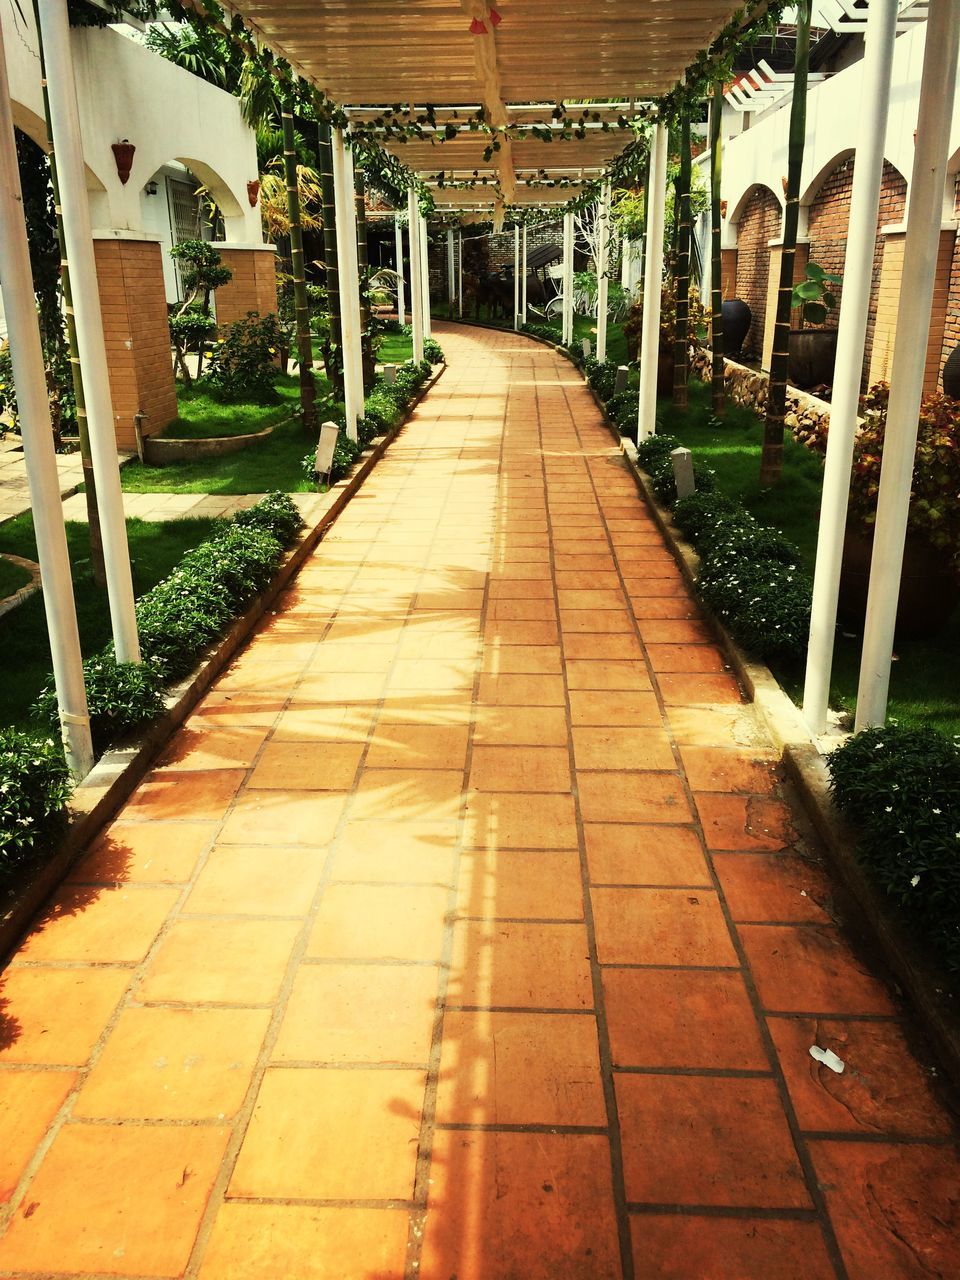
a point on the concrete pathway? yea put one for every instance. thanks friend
(464, 930)
(14, 491)
(181, 506)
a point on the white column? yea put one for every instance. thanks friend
(349, 279)
(854, 307)
(41, 462)
(567, 313)
(460, 275)
(523, 277)
(451, 273)
(65, 122)
(650, 333)
(401, 287)
(516, 278)
(937, 91)
(603, 263)
(416, 263)
(626, 250)
(425, 276)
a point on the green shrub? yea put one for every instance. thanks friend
(275, 514)
(696, 515)
(243, 362)
(652, 451)
(34, 787)
(178, 618)
(191, 327)
(764, 604)
(345, 454)
(433, 352)
(382, 408)
(902, 789)
(540, 331)
(602, 376)
(121, 696)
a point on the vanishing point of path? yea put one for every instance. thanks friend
(463, 931)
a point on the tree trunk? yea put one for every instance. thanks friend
(771, 460)
(334, 357)
(718, 385)
(308, 388)
(363, 271)
(681, 343)
(97, 566)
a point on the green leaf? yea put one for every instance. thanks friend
(814, 312)
(815, 271)
(807, 291)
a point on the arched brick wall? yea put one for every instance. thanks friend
(759, 223)
(828, 220)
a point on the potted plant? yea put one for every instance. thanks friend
(930, 586)
(813, 352)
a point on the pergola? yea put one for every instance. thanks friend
(526, 104)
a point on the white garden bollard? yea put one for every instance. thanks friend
(329, 433)
(623, 377)
(683, 472)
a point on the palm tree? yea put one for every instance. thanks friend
(771, 459)
(681, 350)
(718, 384)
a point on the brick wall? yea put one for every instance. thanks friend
(134, 307)
(951, 327)
(759, 224)
(253, 287)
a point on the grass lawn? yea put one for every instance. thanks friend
(12, 578)
(394, 348)
(924, 689)
(155, 550)
(202, 416)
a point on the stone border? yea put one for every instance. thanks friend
(9, 603)
(159, 450)
(114, 777)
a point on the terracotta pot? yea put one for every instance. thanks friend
(929, 587)
(813, 353)
(665, 372)
(951, 374)
(737, 318)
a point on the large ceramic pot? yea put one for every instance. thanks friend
(813, 353)
(736, 317)
(929, 587)
(665, 365)
(951, 374)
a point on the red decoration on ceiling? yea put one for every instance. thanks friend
(123, 155)
(253, 192)
(478, 28)
(495, 18)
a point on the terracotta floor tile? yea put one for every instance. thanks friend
(893, 1208)
(521, 659)
(332, 1135)
(103, 924)
(509, 1205)
(417, 747)
(774, 886)
(144, 853)
(704, 689)
(744, 823)
(662, 608)
(607, 674)
(213, 749)
(359, 1013)
(661, 926)
(685, 658)
(323, 766)
(379, 922)
(686, 1018)
(717, 727)
(520, 769)
(325, 722)
(599, 599)
(73, 1223)
(543, 610)
(699, 1140)
(620, 747)
(407, 795)
(673, 631)
(522, 690)
(396, 852)
(29, 1100)
(521, 726)
(613, 707)
(253, 880)
(244, 962)
(520, 886)
(520, 1068)
(253, 1241)
(681, 1246)
(600, 621)
(174, 1064)
(339, 687)
(651, 855)
(56, 1016)
(883, 1088)
(595, 646)
(507, 820)
(727, 769)
(203, 795)
(520, 966)
(283, 817)
(632, 797)
(810, 969)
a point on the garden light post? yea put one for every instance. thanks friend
(854, 307)
(41, 463)
(603, 262)
(424, 241)
(516, 278)
(523, 276)
(937, 91)
(65, 124)
(650, 333)
(401, 286)
(416, 262)
(567, 326)
(349, 280)
(460, 274)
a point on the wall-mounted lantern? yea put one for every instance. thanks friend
(123, 154)
(151, 188)
(253, 192)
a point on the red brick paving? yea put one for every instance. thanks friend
(464, 930)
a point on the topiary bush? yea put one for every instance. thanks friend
(242, 364)
(35, 785)
(433, 352)
(275, 514)
(764, 604)
(697, 514)
(901, 787)
(121, 696)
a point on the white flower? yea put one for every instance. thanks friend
(915, 881)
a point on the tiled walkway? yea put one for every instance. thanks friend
(463, 931)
